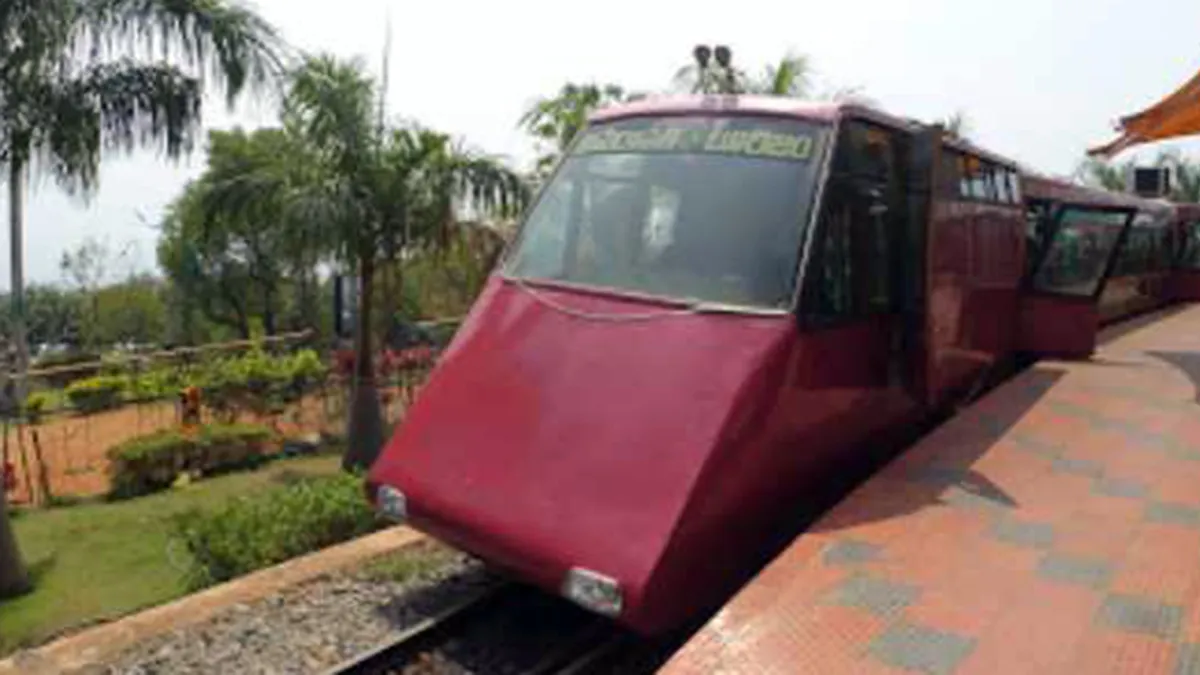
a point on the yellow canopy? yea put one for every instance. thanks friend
(1175, 115)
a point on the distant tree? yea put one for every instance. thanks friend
(246, 241)
(1185, 175)
(1104, 175)
(197, 260)
(87, 267)
(132, 310)
(52, 315)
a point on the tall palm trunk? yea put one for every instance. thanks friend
(14, 578)
(364, 434)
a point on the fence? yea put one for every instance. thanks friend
(62, 452)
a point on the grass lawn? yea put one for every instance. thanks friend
(97, 561)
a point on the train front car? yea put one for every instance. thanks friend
(642, 392)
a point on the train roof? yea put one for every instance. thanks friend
(778, 106)
(1057, 189)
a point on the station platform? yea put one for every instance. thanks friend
(1051, 527)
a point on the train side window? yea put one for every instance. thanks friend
(1145, 248)
(964, 173)
(1190, 246)
(1075, 259)
(988, 173)
(1038, 220)
(851, 262)
(977, 177)
(950, 174)
(1000, 180)
(1014, 186)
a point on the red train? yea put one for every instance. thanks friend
(717, 299)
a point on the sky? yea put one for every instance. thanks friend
(1039, 80)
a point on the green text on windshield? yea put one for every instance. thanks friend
(753, 143)
(705, 209)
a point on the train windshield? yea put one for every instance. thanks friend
(702, 209)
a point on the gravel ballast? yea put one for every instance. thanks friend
(315, 625)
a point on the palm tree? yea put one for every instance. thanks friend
(790, 76)
(78, 77)
(369, 191)
(557, 119)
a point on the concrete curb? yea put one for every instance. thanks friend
(96, 645)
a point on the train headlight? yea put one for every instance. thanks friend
(391, 504)
(595, 591)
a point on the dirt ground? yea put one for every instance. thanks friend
(73, 447)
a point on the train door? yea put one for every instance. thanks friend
(860, 272)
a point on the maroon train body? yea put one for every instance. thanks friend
(714, 302)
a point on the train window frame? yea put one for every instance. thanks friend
(949, 174)
(858, 254)
(1149, 239)
(981, 187)
(1016, 190)
(1000, 181)
(1058, 213)
(1188, 243)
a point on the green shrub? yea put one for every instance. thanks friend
(255, 381)
(265, 529)
(153, 462)
(39, 403)
(306, 369)
(97, 393)
(155, 384)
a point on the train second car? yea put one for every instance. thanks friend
(712, 303)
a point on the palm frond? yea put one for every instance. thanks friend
(118, 105)
(223, 39)
(330, 104)
(788, 77)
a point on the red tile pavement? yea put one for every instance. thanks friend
(1070, 544)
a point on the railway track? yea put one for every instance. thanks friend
(504, 628)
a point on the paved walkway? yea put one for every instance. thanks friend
(1053, 527)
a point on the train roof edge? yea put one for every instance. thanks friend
(1034, 183)
(747, 104)
(1041, 186)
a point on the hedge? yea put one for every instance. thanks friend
(252, 380)
(265, 529)
(153, 462)
(96, 393)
